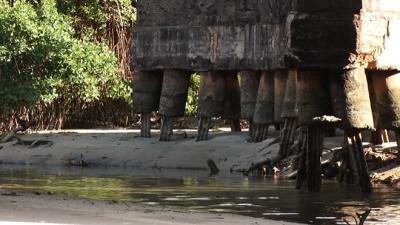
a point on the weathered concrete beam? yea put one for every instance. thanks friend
(267, 34)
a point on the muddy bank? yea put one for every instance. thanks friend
(125, 149)
(384, 164)
(96, 148)
(389, 175)
(46, 208)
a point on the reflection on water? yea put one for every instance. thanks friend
(257, 197)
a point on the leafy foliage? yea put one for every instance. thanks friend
(68, 62)
(93, 16)
(43, 60)
(108, 21)
(193, 95)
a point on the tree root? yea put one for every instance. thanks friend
(11, 135)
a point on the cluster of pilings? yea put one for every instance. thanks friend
(166, 92)
(259, 97)
(295, 99)
(306, 66)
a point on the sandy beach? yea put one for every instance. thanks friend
(124, 148)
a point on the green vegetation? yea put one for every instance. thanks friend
(58, 56)
(66, 64)
(191, 104)
(108, 21)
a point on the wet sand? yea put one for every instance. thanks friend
(124, 148)
(49, 209)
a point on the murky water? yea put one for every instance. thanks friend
(196, 191)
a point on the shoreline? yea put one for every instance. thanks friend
(111, 152)
(123, 148)
(47, 208)
(115, 148)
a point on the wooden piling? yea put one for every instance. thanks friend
(251, 128)
(379, 136)
(288, 136)
(167, 127)
(302, 160)
(235, 125)
(313, 158)
(350, 96)
(173, 98)
(346, 174)
(358, 162)
(146, 97)
(203, 129)
(145, 127)
(397, 132)
(213, 167)
(357, 117)
(312, 102)
(264, 109)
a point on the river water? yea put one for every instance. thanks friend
(196, 191)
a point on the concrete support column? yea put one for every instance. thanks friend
(264, 109)
(146, 97)
(249, 82)
(289, 114)
(173, 100)
(232, 108)
(211, 100)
